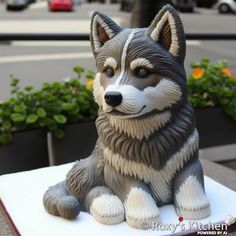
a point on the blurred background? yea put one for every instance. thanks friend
(35, 62)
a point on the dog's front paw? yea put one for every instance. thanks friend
(141, 209)
(107, 209)
(191, 201)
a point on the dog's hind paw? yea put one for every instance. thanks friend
(107, 209)
(57, 202)
(68, 207)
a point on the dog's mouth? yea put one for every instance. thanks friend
(115, 112)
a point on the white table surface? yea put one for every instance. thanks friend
(22, 193)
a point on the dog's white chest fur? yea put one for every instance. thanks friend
(158, 179)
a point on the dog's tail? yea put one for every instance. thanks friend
(59, 202)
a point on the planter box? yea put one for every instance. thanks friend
(78, 143)
(27, 151)
(215, 127)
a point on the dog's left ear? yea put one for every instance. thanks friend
(103, 29)
(167, 30)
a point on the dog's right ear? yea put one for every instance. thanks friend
(103, 29)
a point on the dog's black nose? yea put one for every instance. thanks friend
(113, 98)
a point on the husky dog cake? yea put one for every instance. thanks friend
(146, 154)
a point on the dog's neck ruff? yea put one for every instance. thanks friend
(157, 148)
(140, 128)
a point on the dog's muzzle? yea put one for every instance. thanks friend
(113, 98)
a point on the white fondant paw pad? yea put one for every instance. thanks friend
(107, 209)
(191, 200)
(141, 209)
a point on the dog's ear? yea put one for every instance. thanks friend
(103, 29)
(167, 30)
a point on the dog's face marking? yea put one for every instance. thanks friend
(142, 66)
(140, 63)
(110, 63)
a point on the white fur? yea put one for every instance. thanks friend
(191, 200)
(141, 209)
(123, 58)
(159, 180)
(110, 61)
(107, 209)
(174, 47)
(98, 91)
(140, 128)
(140, 62)
(164, 95)
(136, 102)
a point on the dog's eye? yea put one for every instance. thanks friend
(141, 72)
(109, 72)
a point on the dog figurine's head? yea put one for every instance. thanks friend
(140, 71)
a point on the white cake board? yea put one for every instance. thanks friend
(22, 194)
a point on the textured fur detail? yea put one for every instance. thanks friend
(98, 91)
(135, 102)
(146, 154)
(140, 62)
(110, 61)
(107, 209)
(191, 200)
(174, 47)
(109, 27)
(153, 151)
(123, 58)
(159, 180)
(82, 177)
(141, 209)
(167, 29)
(57, 202)
(140, 128)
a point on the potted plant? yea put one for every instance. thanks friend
(23, 143)
(66, 110)
(73, 134)
(212, 92)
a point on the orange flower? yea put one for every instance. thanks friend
(89, 84)
(227, 72)
(197, 73)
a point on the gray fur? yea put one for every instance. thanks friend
(180, 32)
(158, 148)
(121, 184)
(58, 202)
(95, 177)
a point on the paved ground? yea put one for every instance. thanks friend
(36, 62)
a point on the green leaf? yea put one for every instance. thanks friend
(41, 112)
(5, 138)
(90, 74)
(79, 70)
(18, 109)
(58, 133)
(32, 119)
(60, 119)
(204, 62)
(14, 81)
(7, 125)
(68, 106)
(28, 88)
(17, 117)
